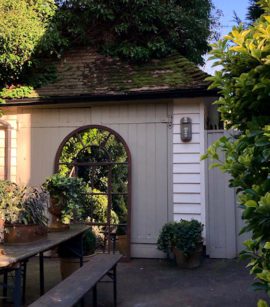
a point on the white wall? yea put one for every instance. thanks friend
(144, 126)
(12, 121)
(188, 170)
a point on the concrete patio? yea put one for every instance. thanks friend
(144, 282)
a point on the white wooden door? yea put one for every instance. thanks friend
(221, 214)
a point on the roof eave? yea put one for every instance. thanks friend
(147, 95)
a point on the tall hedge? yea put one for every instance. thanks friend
(244, 86)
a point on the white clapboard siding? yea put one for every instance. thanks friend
(187, 217)
(186, 188)
(182, 158)
(187, 168)
(196, 139)
(187, 198)
(144, 127)
(187, 209)
(186, 147)
(187, 176)
(194, 117)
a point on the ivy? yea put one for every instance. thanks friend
(244, 89)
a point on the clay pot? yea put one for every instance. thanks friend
(70, 265)
(122, 244)
(191, 262)
(19, 233)
(55, 209)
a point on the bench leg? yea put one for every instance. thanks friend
(41, 273)
(114, 286)
(95, 295)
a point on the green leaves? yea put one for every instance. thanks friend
(185, 235)
(23, 26)
(139, 30)
(244, 105)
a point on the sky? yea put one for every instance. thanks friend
(227, 7)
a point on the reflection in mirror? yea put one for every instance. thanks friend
(101, 159)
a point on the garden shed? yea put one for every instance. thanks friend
(158, 112)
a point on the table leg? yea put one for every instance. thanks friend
(24, 280)
(81, 251)
(41, 273)
(17, 299)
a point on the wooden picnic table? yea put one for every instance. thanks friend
(13, 255)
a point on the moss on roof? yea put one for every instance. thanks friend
(85, 72)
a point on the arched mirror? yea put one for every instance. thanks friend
(101, 158)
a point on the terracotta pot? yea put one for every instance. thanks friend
(56, 225)
(122, 244)
(70, 265)
(19, 233)
(191, 262)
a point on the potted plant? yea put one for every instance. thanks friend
(184, 240)
(69, 261)
(22, 212)
(68, 196)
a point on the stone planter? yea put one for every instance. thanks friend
(191, 262)
(20, 234)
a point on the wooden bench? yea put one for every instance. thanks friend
(69, 291)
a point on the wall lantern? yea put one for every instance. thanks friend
(186, 129)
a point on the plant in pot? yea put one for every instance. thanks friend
(68, 253)
(22, 212)
(68, 196)
(184, 239)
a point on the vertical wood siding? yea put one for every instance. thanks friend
(145, 129)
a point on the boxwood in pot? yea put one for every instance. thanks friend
(184, 240)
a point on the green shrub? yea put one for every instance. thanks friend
(185, 235)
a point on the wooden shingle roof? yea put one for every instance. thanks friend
(86, 72)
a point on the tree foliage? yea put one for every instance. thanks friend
(244, 85)
(254, 10)
(140, 30)
(25, 29)
(134, 30)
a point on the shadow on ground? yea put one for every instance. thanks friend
(157, 283)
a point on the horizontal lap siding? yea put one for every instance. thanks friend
(187, 169)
